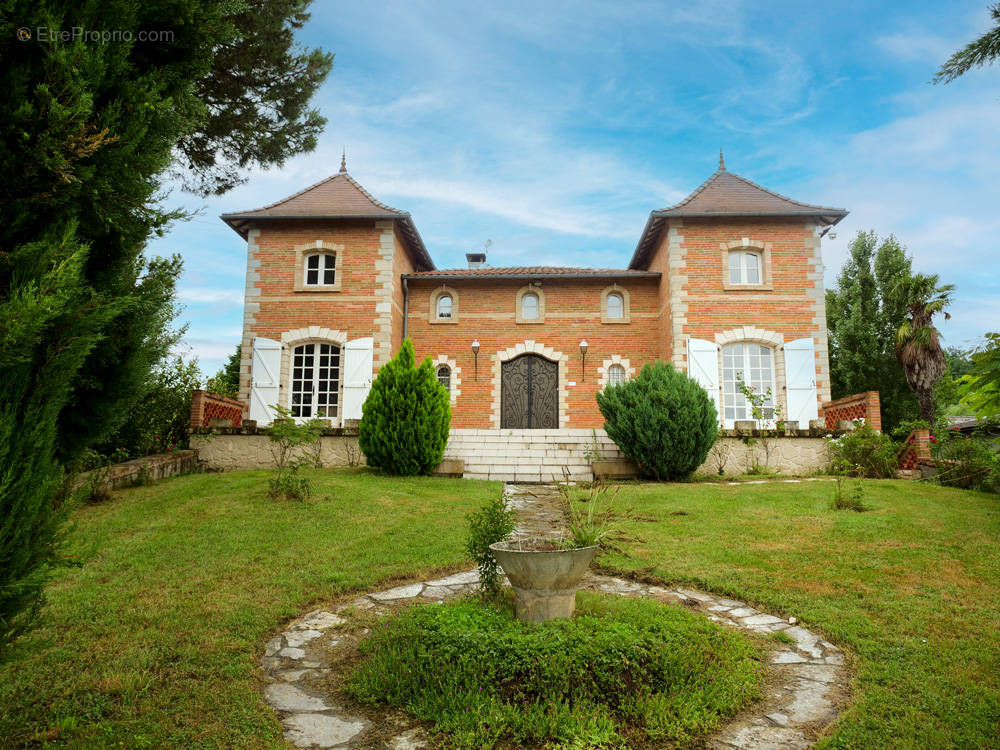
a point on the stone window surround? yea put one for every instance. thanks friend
(456, 372)
(310, 335)
(750, 245)
(432, 312)
(319, 247)
(531, 347)
(754, 335)
(534, 289)
(626, 310)
(614, 359)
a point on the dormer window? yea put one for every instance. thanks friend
(529, 306)
(744, 268)
(444, 306)
(321, 269)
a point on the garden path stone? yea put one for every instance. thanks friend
(809, 680)
(321, 730)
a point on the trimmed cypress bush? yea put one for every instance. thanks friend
(662, 419)
(405, 419)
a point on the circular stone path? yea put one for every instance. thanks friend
(807, 682)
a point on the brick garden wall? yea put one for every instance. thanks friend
(867, 406)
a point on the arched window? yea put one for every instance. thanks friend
(615, 306)
(529, 306)
(744, 268)
(444, 377)
(316, 381)
(444, 305)
(754, 365)
(321, 269)
(616, 375)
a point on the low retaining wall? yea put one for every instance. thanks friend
(232, 449)
(148, 468)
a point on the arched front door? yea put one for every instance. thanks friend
(529, 393)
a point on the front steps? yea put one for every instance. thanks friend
(529, 455)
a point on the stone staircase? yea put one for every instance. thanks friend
(529, 455)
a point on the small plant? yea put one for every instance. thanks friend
(593, 453)
(292, 446)
(854, 498)
(966, 461)
(593, 518)
(766, 412)
(493, 523)
(97, 487)
(142, 477)
(718, 456)
(353, 453)
(865, 453)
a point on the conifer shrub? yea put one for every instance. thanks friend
(405, 419)
(662, 419)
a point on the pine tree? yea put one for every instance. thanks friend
(88, 129)
(405, 419)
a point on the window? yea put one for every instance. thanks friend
(616, 375)
(616, 306)
(321, 270)
(444, 377)
(744, 268)
(529, 306)
(754, 365)
(444, 307)
(315, 381)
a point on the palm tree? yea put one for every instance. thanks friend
(918, 343)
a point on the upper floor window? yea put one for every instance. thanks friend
(529, 306)
(616, 375)
(744, 268)
(321, 269)
(615, 306)
(444, 303)
(444, 377)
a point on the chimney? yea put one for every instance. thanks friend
(476, 260)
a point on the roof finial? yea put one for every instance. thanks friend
(343, 160)
(722, 164)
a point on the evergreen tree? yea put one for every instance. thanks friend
(90, 123)
(982, 51)
(405, 419)
(226, 382)
(863, 312)
(662, 419)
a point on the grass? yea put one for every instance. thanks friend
(911, 587)
(620, 674)
(154, 640)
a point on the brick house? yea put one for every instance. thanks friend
(727, 282)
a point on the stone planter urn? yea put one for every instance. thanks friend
(545, 578)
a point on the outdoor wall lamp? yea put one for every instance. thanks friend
(475, 354)
(583, 360)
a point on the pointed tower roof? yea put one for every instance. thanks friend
(339, 196)
(728, 194)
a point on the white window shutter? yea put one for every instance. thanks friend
(265, 369)
(800, 382)
(358, 358)
(703, 368)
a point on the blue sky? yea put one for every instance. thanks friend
(553, 129)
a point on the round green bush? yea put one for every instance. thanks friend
(662, 419)
(621, 673)
(405, 419)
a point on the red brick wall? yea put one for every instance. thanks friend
(572, 312)
(867, 406)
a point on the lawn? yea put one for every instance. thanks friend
(154, 641)
(911, 587)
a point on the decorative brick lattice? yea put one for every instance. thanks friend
(866, 406)
(916, 451)
(207, 406)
